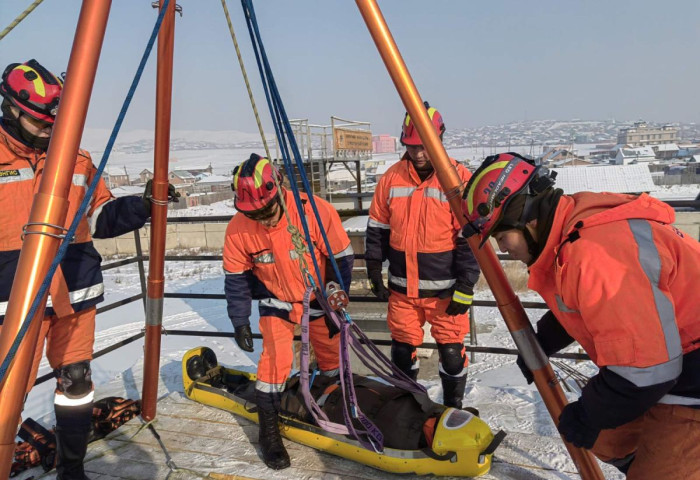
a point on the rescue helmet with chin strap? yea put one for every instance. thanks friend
(495, 185)
(33, 89)
(409, 132)
(254, 185)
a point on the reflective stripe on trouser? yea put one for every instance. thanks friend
(277, 356)
(68, 339)
(406, 317)
(666, 440)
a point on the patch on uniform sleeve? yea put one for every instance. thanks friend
(9, 173)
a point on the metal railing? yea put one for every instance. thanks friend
(366, 323)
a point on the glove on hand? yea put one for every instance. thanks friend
(147, 198)
(461, 301)
(575, 427)
(244, 338)
(527, 373)
(374, 273)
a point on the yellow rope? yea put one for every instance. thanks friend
(21, 17)
(297, 239)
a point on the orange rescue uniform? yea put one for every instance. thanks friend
(261, 263)
(623, 282)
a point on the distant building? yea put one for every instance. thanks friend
(572, 162)
(213, 183)
(115, 177)
(641, 134)
(627, 156)
(197, 169)
(666, 151)
(617, 179)
(557, 155)
(384, 144)
(145, 175)
(181, 177)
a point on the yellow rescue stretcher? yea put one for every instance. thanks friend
(462, 444)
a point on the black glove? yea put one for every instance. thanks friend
(374, 273)
(333, 329)
(462, 297)
(244, 338)
(147, 198)
(575, 426)
(552, 338)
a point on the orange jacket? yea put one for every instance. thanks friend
(78, 280)
(268, 254)
(627, 288)
(411, 224)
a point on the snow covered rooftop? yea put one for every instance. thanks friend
(356, 224)
(126, 190)
(612, 178)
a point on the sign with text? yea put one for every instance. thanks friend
(347, 139)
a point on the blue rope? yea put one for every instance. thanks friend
(86, 200)
(281, 122)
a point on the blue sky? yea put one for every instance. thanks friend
(479, 63)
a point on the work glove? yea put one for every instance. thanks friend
(374, 273)
(552, 338)
(147, 198)
(333, 329)
(575, 426)
(244, 338)
(462, 297)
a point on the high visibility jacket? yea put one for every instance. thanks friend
(262, 263)
(623, 282)
(411, 224)
(77, 283)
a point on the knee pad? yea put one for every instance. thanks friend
(453, 359)
(404, 356)
(74, 380)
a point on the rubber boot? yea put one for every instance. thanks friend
(453, 390)
(274, 454)
(70, 448)
(72, 435)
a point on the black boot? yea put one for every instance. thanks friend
(72, 435)
(453, 390)
(70, 448)
(274, 454)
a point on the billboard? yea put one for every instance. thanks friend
(349, 139)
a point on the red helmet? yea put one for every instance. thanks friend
(33, 89)
(409, 133)
(254, 184)
(495, 183)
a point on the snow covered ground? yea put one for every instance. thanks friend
(496, 387)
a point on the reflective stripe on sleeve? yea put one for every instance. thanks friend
(373, 223)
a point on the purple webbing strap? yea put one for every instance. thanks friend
(318, 414)
(374, 435)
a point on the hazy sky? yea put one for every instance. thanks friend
(479, 63)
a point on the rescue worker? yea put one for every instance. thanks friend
(432, 272)
(621, 280)
(30, 101)
(261, 263)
